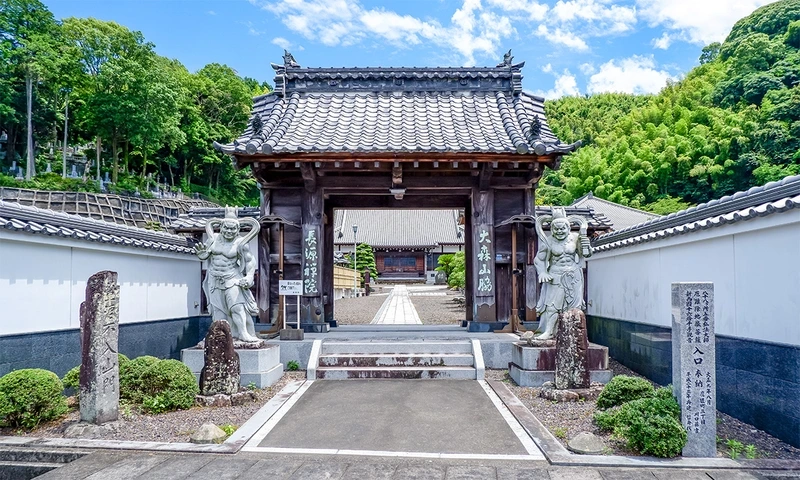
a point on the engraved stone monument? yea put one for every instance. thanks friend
(694, 380)
(99, 380)
(220, 372)
(572, 351)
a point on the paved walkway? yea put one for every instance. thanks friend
(397, 309)
(249, 466)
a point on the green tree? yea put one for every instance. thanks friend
(365, 259)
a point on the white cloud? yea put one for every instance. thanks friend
(565, 85)
(211, 12)
(562, 37)
(547, 68)
(251, 28)
(613, 18)
(530, 10)
(697, 21)
(636, 74)
(472, 29)
(282, 42)
(663, 42)
(586, 68)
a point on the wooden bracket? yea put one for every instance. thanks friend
(309, 176)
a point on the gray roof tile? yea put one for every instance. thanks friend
(398, 228)
(620, 216)
(39, 221)
(769, 199)
(430, 110)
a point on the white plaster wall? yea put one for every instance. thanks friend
(43, 282)
(755, 267)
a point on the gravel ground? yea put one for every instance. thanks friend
(565, 420)
(439, 309)
(358, 310)
(167, 427)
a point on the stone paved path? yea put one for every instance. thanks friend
(127, 465)
(397, 309)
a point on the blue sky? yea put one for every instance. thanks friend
(571, 47)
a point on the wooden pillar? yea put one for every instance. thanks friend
(327, 267)
(468, 284)
(531, 280)
(264, 267)
(483, 251)
(313, 256)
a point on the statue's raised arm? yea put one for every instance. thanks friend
(558, 265)
(231, 269)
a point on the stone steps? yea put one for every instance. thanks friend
(454, 360)
(377, 360)
(22, 463)
(441, 373)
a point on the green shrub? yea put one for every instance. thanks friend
(167, 385)
(650, 426)
(29, 397)
(623, 388)
(130, 387)
(292, 365)
(72, 379)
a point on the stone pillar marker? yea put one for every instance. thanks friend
(99, 380)
(572, 350)
(221, 369)
(694, 380)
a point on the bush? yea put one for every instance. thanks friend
(29, 397)
(292, 365)
(72, 379)
(167, 385)
(650, 426)
(130, 387)
(623, 388)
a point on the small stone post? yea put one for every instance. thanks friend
(99, 380)
(572, 350)
(221, 369)
(366, 282)
(694, 381)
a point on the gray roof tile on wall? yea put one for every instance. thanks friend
(769, 199)
(24, 218)
(620, 216)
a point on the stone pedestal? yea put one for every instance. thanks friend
(261, 366)
(532, 366)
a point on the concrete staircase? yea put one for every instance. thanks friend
(22, 463)
(456, 360)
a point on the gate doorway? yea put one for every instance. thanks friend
(399, 138)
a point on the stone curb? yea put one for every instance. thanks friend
(232, 445)
(557, 454)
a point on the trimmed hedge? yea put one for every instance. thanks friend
(168, 385)
(29, 397)
(623, 388)
(130, 384)
(72, 379)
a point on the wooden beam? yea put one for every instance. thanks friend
(263, 256)
(484, 177)
(397, 175)
(483, 249)
(309, 177)
(387, 201)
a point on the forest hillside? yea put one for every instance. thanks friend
(732, 123)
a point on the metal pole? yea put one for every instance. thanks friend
(355, 263)
(66, 124)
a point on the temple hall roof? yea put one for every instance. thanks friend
(398, 110)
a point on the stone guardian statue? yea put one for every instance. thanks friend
(231, 267)
(559, 266)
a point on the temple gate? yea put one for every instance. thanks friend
(330, 138)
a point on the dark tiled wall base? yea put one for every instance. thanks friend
(757, 382)
(645, 349)
(60, 351)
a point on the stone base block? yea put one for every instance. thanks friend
(543, 358)
(263, 379)
(537, 378)
(291, 334)
(315, 327)
(262, 366)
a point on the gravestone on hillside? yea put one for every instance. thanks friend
(694, 381)
(99, 378)
(572, 350)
